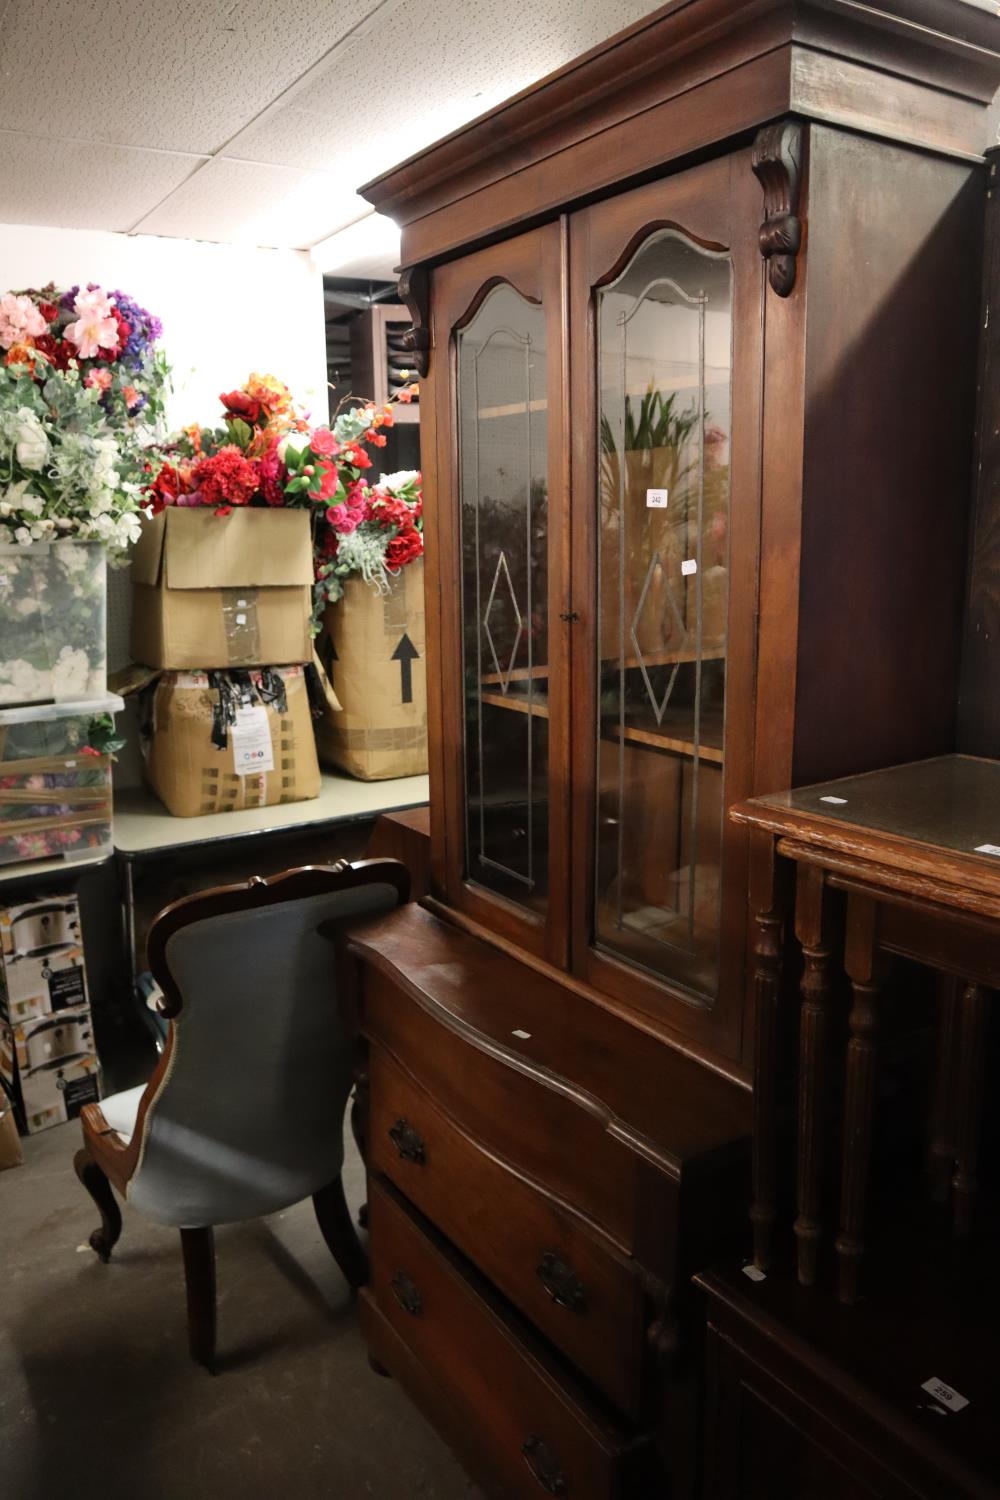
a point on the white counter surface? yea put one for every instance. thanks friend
(142, 824)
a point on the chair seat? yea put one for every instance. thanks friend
(120, 1111)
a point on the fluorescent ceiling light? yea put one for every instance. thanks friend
(368, 247)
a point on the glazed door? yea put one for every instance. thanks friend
(666, 284)
(500, 532)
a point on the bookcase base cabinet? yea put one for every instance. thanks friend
(534, 1225)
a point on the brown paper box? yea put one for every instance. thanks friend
(11, 1154)
(191, 775)
(222, 591)
(373, 649)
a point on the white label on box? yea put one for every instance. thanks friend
(689, 566)
(241, 619)
(836, 801)
(253, 753)
(944, 1393)
(988, 848)
(754, 1273)
(524, 1035)
(657, 499)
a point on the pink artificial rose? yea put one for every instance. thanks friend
(96, 327)
(342, 520)
(101, 379)
(19, 320)
(323, 443)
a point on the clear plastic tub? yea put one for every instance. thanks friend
(55, 782)
(53, 622)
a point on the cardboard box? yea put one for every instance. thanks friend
(50, 1067)
(11, 1154)
(42, 969)
(43, 923)
(372, 647)
(223, 741)
(222, 591)
(42, 985)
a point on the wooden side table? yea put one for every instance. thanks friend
(916, 851)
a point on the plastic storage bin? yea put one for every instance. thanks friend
(55, 788)
(53, 622)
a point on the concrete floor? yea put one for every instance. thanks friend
(99, 1400)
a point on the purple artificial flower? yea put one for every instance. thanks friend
(146, 329)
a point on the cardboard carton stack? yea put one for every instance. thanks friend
(372, 647)
(217, 602)
(48, 1060)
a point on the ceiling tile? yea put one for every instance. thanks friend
(438, 66)
(181, 76)
(252, 204)
(79, 185)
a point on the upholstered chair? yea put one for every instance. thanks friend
(244, 1114)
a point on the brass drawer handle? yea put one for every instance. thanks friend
(406, 1294)
(544, 1466)
(561, 1282)
(408, 1142)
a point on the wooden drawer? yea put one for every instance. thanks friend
(544, 1126)
(561, 1273)
(541, 1436)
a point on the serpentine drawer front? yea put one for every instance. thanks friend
(559, 1270)
(548, 1130)
(545, 1437)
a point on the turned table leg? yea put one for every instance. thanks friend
(973, 1018)
(941, 1153)
(766, 997)
(811, 930)
(859, 1093)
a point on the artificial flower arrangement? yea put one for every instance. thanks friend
(266, 454)
(81, 391)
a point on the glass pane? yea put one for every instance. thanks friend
(665, 336)
(503, 444)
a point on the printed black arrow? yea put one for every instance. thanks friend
(406, 653)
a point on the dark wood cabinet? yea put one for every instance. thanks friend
(696, 319)
(803, 1403)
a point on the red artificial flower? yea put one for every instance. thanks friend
(328, 543)
(227, 478)
(356, 457)
(404, 548)
(172, 481)
(323, 443)
(239, 404)
(49, 311)
(58, 352)
(273, 477)
(328, 485)
(377, 439)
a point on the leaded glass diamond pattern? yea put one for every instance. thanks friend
(503, 675)
(659, 705)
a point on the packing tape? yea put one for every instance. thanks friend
(240, 625)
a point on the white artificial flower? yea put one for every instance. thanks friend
(31, 445)
(398, 480)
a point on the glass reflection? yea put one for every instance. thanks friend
(503, 445)
(665, 333)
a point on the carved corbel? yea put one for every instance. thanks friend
(415, 291)
(777, 164)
